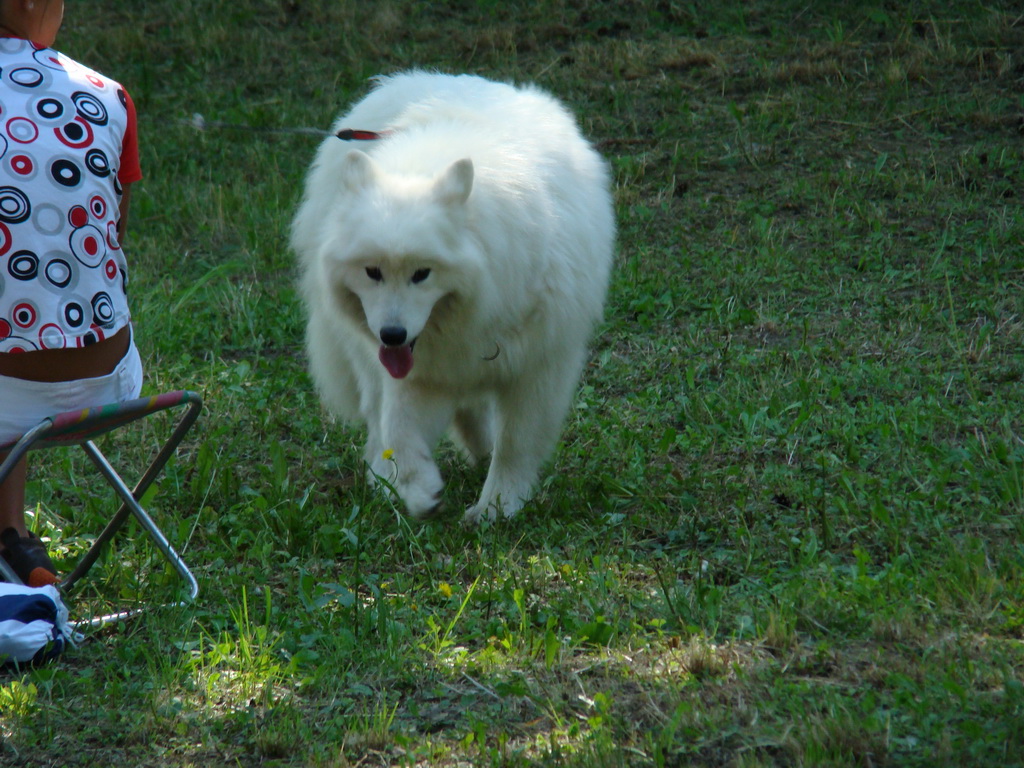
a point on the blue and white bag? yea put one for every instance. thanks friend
(33, 624)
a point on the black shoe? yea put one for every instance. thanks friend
(28, 558)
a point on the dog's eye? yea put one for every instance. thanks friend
(374, 274)
(420, 275)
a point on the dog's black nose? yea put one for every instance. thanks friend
(393, 335)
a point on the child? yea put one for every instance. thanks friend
(68, 155)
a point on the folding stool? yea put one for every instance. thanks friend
(81, 427)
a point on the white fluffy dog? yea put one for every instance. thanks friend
(453, 269)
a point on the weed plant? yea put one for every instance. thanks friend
(783, 526)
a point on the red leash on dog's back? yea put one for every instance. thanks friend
(350, 134)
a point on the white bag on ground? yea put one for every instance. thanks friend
(33, 624)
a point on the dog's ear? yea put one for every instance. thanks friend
(357, 170)
(455, 184)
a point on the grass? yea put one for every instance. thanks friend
(783, 525)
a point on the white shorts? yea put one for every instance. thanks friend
(23, 404)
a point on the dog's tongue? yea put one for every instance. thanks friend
(398, 360)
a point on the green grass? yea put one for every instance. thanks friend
(783, 525)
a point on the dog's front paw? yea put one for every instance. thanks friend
(491, 511)
(421, 504)
(419, 486)
(475, 514)
(416, 482)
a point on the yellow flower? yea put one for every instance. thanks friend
(388, 453)
(445, 589)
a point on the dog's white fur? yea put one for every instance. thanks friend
(492, 189)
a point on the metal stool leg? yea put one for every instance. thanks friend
(8, 573)
(130, 505)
